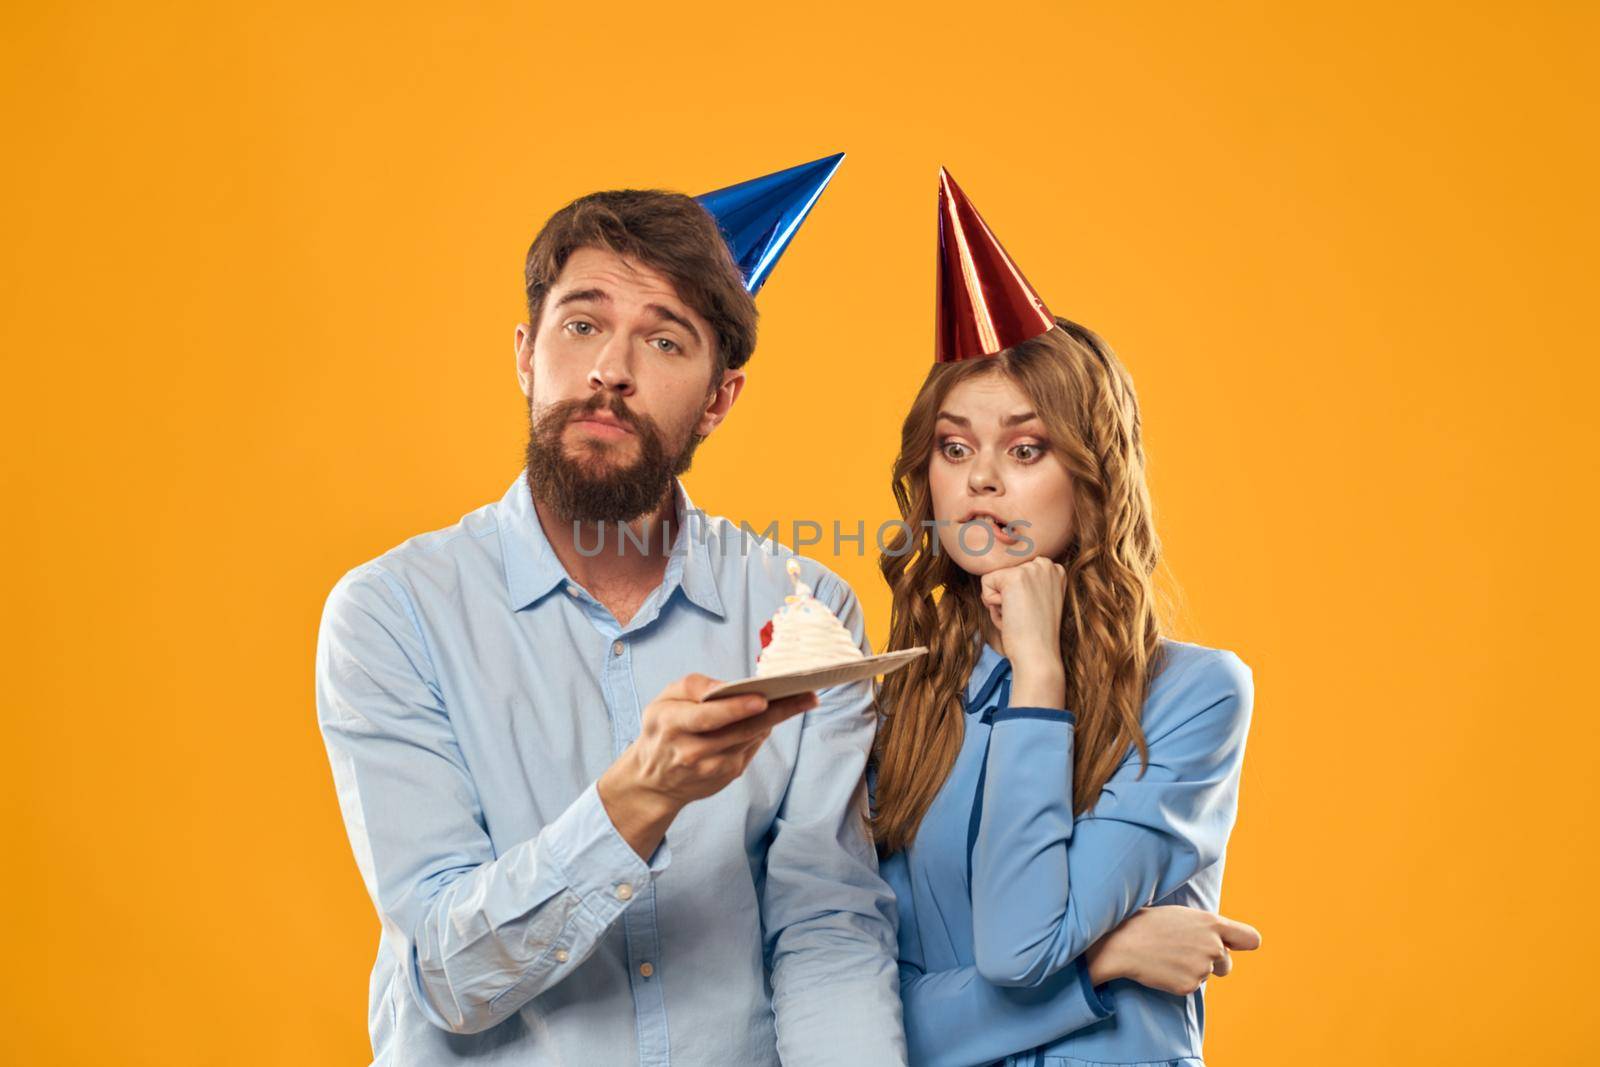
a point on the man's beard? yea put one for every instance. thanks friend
(585, 488)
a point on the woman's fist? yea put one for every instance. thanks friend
(1025, 602)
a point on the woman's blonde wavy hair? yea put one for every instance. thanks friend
(1110, 634)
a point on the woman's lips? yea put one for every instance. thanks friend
(1000, 533)
(994, 524)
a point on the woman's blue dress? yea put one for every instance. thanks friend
(1003, 890)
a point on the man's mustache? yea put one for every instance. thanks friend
(611, 402)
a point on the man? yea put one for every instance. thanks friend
(574, 859)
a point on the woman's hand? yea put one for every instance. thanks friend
(1025, 602)
(1170, 948)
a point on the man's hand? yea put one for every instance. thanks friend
(1170, 948)
(686, 750)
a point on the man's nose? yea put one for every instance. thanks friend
(613, 366)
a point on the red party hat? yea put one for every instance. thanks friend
(985, 304)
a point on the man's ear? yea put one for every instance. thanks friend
(523, 344)
(720, 402)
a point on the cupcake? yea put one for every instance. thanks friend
(803, 635)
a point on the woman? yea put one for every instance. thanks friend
(1053, 765)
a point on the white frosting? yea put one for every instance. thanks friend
(805, 634)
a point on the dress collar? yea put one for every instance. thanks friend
(991, 670)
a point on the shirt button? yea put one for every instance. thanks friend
(616, 649)
(561, 955)
(646, 970)
(624, 891)
(572, 590)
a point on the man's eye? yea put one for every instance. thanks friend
(581, 328)
(665, 344)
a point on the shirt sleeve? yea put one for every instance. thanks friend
(1044, 887)
(828, 916)
(480, 934)
(958, 1018)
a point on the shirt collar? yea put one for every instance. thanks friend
(693, 545)
(533, 569)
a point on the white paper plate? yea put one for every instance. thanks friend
(775, 686)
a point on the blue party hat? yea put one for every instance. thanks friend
(759, 217)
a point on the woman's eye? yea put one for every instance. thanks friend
(1028, 453)
(952, 449)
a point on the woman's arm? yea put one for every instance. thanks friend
(957, 1018)
(960, 1019)
(1044, 887)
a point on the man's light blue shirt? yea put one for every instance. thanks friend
(470, 694)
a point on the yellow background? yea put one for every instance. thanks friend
(261, 270)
